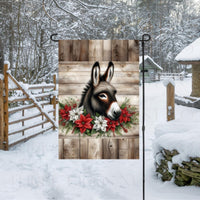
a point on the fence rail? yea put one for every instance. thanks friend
(175, 76)
(32, 97)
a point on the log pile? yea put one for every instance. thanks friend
(186, 173)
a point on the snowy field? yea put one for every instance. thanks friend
(32, 170)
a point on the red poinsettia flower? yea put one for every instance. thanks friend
(111, 124)
(84, 123)
(64, 113)
(125, 116)
(74, 105)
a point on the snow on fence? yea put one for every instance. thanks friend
(175, 76)
(24, 116)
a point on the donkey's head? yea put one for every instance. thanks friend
(99, 96)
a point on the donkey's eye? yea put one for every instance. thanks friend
(103, 96)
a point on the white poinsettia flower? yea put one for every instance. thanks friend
(75, 113)
(100, 124)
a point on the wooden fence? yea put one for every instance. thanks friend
(14, 119)
(76, 58)
(175, 76)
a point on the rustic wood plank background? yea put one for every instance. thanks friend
(98, 148)
(76, 58)
(101, 50)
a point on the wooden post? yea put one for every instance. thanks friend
(23, 111)
(170, 102)
(6, 107)
(1, 115)
(54, 99)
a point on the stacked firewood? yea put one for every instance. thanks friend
(186, 173)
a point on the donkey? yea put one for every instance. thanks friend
(99, 95)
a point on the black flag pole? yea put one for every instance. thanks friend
(145, 38)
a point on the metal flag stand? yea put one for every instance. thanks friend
(145, 38)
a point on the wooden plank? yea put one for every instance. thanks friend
(107, 50)
(87, 74)
(95, 148)
(61, 50)
(71, 148)
(87, 66)
(119, 50)
(110, 148)
(65, 50)
(76, 89)
(95, 50)
(132, 133)
(63, 136)
(136, 148)
(131, 148)
(170, 102)
(84, 50)
(1, 115)
(80, 50)
(83, 148)
(6, 115)
(133, 50)
(123, 148)
(73, 50)
(60, 147)
(76, 50)
(84, 77)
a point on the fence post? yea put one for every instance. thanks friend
(54, 99)
(6, 107)
(1, 115)
(170, 102)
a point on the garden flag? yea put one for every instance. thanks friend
(98, 99)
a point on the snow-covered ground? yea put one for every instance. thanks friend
(32, 170)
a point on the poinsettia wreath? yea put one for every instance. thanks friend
(77, 120)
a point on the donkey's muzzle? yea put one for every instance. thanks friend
(117, 114)
(114, 112)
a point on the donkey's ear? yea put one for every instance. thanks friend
(95, 74)
(109, 72)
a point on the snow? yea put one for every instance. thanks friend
(1, 76)
(7, 63)
(32, 170)
(190, 53)
(148, 57)
(167, 81)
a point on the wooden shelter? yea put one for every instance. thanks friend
(190, 55)
(152, 67)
